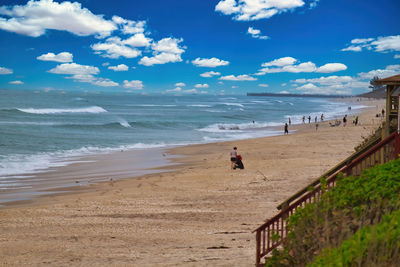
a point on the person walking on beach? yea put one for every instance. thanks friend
(322, 117)
(290, 121)
(316, 119)
(304, 119)
(355, 121)
(286, 128)
(233, 157)
(344, 120)
(309, 119)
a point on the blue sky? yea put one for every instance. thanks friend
(202, 47)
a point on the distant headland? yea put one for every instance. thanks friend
(298, 95)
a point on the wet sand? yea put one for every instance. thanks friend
(200, 213)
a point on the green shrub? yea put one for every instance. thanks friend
(376, 245)
(352, 204)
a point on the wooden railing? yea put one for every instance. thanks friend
(271, 234)
(328, 173)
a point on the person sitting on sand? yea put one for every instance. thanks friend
(233, 157)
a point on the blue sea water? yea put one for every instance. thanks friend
(39, 130)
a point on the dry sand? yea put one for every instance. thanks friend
(201, 213)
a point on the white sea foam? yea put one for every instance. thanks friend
(93, 109)
(233, 104)
(200, 106)
(240, 127)
(124, 123)
(19, 164)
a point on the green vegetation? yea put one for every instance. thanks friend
(352, 206)
(376, 245)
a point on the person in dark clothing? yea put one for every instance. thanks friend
(286, 128)
(239, 163)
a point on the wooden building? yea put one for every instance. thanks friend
(392, 103)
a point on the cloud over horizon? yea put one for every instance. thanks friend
(288, 64)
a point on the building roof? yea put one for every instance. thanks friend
(392, 80)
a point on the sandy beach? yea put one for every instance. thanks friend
(197, 212)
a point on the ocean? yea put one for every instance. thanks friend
(42, 130)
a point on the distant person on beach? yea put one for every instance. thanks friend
(322, 117)
(316, 119)
(304, 119)
(309, 119)
(344, 120)
(383, 113)
(355, 121)
(233, 157)
(290, 121)
(286, 128)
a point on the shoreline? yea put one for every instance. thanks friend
(201, 213)
(92, 169)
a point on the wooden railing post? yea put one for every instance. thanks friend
(397, 146)
(258, 247)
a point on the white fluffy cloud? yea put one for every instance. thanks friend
(342, 84)
(34, 18)
(73, 68)
(120, 67)
(180, 84)
(240, 78)
(160, 59)
(199, 85)
(330, 80)
(168, 45)
(263, 85)
(115, 48)
(138, 40)
(134, 84)
(177, 89)
(16, 82)
(104, 82)
(381, 44)
(5, 70)
(129, 26)
(381, 73)
(280, 62)
(210, 74)
(246, 10)
(209, 62)
(83, 73)
(331, 67)
(60, 57)
(288, 64)
(190, 91)
(255, 33)
(164, 51)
